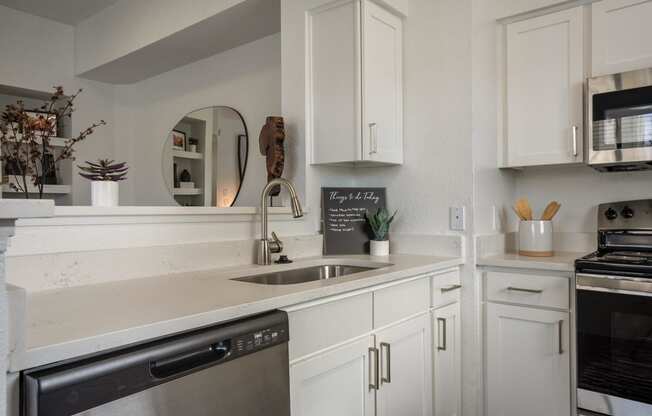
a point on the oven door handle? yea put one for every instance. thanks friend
(614, 284)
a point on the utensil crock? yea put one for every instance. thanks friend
(535, 238)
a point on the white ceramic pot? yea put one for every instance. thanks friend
(535, 238)
(379, 248)
(105, 193)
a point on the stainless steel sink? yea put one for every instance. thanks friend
(307, 274)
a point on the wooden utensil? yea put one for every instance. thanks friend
(524, 208)
(518, 214)
(551, 210)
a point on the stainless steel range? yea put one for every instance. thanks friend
(614, 314)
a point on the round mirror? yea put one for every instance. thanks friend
(205, 157)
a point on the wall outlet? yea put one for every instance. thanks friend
(457, 221)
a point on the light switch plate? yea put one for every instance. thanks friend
(457, 220)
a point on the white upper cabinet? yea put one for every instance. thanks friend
(544, 76)
(382, 80)
(355, 84)
(621, 36)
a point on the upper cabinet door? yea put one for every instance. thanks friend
(544, 81)
(382, 81)
(334, 103)
(621, 36)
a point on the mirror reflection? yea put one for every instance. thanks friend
(205, 158)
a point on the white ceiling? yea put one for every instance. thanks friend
(65, 11)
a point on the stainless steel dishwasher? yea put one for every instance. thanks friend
(236, 369)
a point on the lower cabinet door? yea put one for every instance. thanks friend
(447, 360)
(528, 365)
(405, 369)
(336, 382)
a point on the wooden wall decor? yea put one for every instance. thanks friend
(271, 140)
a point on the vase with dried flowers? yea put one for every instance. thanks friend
(104, 175)
(25, 141)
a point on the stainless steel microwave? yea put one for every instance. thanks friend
(619, 114)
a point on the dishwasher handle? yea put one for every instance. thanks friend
(181, 363)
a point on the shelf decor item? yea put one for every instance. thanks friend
(104, 176)
(379, 223)
(192, 145)
(271, 143)
(178, 140)
(25, 142)
(51, 118)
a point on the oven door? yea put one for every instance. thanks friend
(614, 345)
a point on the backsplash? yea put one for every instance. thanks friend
(493, 244)
(59, 270)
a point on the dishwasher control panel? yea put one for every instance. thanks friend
(259, 339)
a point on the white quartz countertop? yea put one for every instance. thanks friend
(65, 323)
(560, 261)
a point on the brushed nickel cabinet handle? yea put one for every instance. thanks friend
(373, 367)
(450, 288)
(373, 138)
(442, 321)
(561, 337)
(521, 289)
(575, 146)
(386, 351)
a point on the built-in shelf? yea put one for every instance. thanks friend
(187, 191)
(54, 141)
(47, 189)
(187, 155)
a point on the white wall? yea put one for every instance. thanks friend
(129, 25)
(437, 172)
(493, 188)
(246, 78)
(580, 190)
(37, 54)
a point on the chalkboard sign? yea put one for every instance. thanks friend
(343, 210)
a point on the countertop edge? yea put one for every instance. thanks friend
(563, 261)
(39, 356)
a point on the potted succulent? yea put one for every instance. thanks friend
(104, 176)
(379, 223)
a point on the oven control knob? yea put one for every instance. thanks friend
(627, 212)
(611, 214)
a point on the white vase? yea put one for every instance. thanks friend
(379, 248)
(104, 193)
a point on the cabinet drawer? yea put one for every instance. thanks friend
(528, 289)
(446, 288)
(400, 301)
(323, 325)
